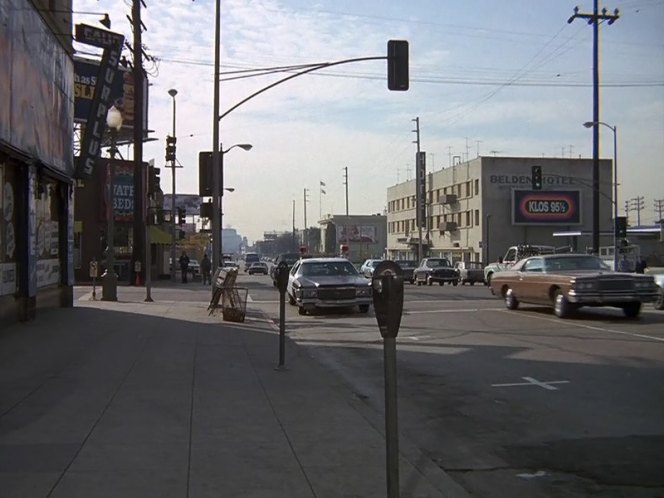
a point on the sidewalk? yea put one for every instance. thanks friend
(136, 399)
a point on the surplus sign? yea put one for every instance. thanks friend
(550, 207)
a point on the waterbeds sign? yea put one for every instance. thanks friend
(546, 207)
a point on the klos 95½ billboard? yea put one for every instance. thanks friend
(546, 207)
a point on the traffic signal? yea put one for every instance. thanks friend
(620, 227)
(397, 65)
(536, 179)
(153, 180)
(170, 148)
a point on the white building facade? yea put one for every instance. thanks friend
(477, 209)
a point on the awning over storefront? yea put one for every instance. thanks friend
(158, 236)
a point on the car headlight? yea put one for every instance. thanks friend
(364, 291)
(643, 285)
(584, 285)
(309, 293)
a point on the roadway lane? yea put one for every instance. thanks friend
(509, 403)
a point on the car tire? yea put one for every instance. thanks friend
(488, 278)
(511, 302)
(441, 283)
(561, 306)
(364, 308)
(411, 281)
(455, 283)
(301, 310)
(472, 282)
(659, 303)
(632, 310)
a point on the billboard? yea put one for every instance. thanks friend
(546, 207)
(356, 233)
(190, 202)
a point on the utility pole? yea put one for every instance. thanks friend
(294, 243)
(595, 18)
(217, 180)
(418, 195)
(138, 248)
(637, 204)
(659, 209)
(346, 187)
(627, 208)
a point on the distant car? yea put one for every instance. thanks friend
(290, 258)
(327, 283)
(194, 267)
(433, 270)
(407, 268)
(470, 272)
(258, 267)
(368, 267)
(567, 282)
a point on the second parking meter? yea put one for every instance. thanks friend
(387, 283)
(282, 282)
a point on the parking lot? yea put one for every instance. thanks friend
(509, 403)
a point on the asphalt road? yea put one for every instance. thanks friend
(509, 403)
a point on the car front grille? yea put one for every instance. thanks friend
(335, 293)
(615, 284)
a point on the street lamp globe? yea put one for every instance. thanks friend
(114, 118)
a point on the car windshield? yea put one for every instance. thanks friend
(474, 265)
(289, 259)
(438, 263)
(407, 263)
(328, 269)
(581, 262)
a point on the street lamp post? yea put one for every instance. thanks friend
(110, 279)
(173, 92)
(217, 203)
(614, 129)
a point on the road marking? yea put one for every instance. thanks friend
(601, 329)
(467, 310)
(417, 338)
(534, 382)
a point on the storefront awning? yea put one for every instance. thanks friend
(158, 236)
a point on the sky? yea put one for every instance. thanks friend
(509, 78)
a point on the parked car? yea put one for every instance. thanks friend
(659, 280)
(290, 258)
(368, 267)
(470, 272)
(194, 267)
(258, 267)
(407, 268)
(567, 282)
(315, 283)
(433, 270)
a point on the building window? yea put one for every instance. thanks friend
(477, 217)
(468, 220)
(477, 187)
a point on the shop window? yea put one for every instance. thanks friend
(47, 212)
(8, 230)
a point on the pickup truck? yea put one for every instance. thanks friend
(514, 254)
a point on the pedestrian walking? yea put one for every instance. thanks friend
(184, 266)
(206, 266)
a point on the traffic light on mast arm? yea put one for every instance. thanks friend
(536, 179)
(170, 148)
(397, 65)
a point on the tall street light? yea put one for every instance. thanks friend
(110, 279)
(614, 129)
(173, 92)
(217, 203)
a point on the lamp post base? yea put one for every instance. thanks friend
(109, 286)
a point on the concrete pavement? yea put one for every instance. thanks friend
(136, 399)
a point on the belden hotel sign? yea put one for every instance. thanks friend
(108, 71)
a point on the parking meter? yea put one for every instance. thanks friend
(387, 284)
(282, 282)
(282, 277)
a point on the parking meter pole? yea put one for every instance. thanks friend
(282, 283)
(387, 291)
(94, 288)
(391, 417)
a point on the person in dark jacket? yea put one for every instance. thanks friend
(206, 266)
(641, 266)
(184, 266)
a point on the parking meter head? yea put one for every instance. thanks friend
(282, 276)
(387, 283)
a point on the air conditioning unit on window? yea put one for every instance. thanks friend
(447, 199)
(447, 226)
